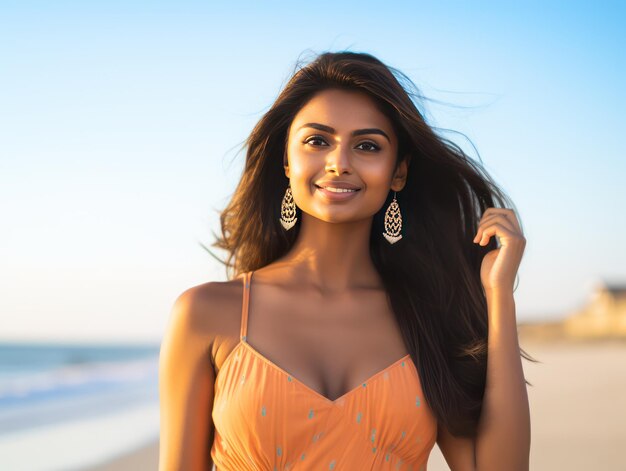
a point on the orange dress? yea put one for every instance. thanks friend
(265, 419)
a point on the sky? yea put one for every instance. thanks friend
(121, 126)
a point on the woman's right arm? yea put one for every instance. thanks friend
(186, 380)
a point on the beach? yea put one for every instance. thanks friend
(143, 458)
(577, 405)
(76, 405)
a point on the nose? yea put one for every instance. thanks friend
(338, 160)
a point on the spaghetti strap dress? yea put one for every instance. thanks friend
(265, 419)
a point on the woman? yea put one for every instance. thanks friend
(370, 263)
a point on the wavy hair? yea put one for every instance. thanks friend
(432, 275)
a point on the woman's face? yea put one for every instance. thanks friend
(340, 136)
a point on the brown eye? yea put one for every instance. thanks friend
(373, 147)
(314, 138)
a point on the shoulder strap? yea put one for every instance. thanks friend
(246, 301)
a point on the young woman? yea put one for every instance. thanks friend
(370, 313)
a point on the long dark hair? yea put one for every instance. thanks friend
(432, 275)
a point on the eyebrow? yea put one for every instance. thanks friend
(358, 132)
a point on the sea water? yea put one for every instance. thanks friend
(68, 407)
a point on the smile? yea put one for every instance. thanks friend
(336, 194)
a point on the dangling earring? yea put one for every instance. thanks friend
(393, 222)
(288, 210)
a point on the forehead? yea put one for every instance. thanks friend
(344, 110)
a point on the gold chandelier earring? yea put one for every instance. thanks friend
(288, 210)
(393, 222)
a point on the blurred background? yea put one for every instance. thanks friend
(121, 126)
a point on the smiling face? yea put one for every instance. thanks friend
(341, 136)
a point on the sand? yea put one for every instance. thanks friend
(577, 405)
(145, 458)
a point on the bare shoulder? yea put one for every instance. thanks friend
(209, 310)
(200, 316)
(211, 314)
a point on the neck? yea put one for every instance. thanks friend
(333, 257)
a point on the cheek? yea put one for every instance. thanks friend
(300, 167)
(302, 178)
(299, 163)
(377, 175)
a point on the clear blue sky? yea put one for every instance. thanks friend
(120, 121)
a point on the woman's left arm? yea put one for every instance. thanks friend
(503, 440)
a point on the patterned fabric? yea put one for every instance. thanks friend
(266, 419)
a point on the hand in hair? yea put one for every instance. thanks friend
(499, 266)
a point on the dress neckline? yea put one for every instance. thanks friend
(406, 359)
(246, 278)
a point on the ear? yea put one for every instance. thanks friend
(399, 178)
(286, 164)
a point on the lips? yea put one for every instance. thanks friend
(337, 184)
(341, 187)
(336, 196)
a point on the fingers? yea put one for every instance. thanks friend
(499, 222)
(495, 229)
(506, 212)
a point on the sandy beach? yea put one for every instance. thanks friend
(577, 402)
(144, 458)
(577, 406)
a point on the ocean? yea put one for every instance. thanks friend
(68, 407)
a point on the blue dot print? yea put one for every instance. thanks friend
(417, 401)
(263, 411)
(310, 413)
(358, 417)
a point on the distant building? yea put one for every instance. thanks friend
(603, 316)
